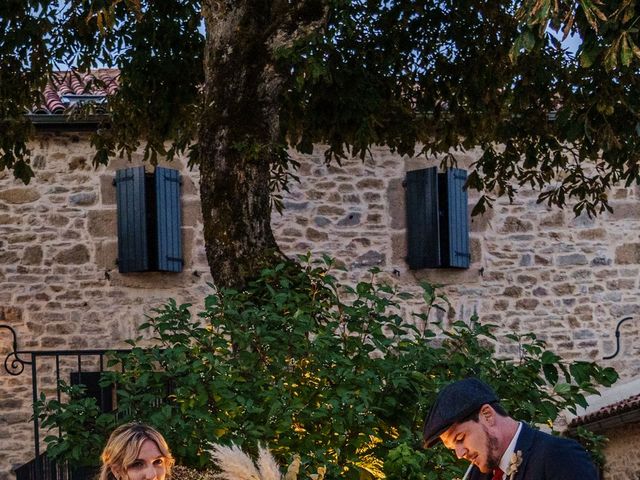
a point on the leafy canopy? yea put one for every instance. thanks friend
(305, 365)
(435, 77)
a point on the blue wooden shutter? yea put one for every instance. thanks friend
(457, 219)
(133, 255)
(169, 241)
(423, 230)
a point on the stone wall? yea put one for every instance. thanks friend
(623, 463)
(533, 268)
(60, 286)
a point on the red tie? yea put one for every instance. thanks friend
(497, 474)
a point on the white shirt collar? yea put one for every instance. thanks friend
(506, 456)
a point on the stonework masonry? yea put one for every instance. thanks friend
(534, 268)
(622, 461)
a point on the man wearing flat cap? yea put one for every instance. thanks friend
(468, 418)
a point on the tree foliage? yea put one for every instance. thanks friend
(442, 75)
(156, 46)
(464, 74)
(308, 366)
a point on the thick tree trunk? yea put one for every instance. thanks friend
(240, 134)
(240, 131)
(237, 134)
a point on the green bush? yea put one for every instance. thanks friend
(305, 365)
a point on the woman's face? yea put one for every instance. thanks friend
(149, 465)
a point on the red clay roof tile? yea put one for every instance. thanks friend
(100, 83)
(626, 405)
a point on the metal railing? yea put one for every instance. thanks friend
(44, 468)
(55, 363)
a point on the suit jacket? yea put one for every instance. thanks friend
(546, 457)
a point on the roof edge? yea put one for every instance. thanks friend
(607, 423)
(52, 121)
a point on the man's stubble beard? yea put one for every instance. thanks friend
(493, 455)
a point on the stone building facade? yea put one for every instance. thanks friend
(622, 464)
(615, 415)
(533, 268)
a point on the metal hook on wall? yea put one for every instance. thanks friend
(617, 338)
(17, 364)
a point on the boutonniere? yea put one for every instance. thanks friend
(514, 463)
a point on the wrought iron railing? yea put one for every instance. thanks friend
(55, 363)
(44, 468)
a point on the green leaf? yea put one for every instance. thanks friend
(626, 52)
(550, 373)
(549, 358)
(588, 56)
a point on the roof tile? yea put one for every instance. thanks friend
(626, 405)
(100, 82)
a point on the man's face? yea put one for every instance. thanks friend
(474, 442)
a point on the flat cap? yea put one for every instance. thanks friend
(453, 404)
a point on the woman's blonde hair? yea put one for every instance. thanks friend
(124, 445)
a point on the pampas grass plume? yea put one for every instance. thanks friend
(233, 463)
(267, 465)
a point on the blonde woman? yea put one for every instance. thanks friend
(136, 452)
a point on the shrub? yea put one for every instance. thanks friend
(304, 365)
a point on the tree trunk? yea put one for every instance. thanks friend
(240, 136)
(235, 137)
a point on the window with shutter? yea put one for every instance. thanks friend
(131, 202)
(423, 228)
(437, 219)
(167, 186)
(149, 220)
(457, 218)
